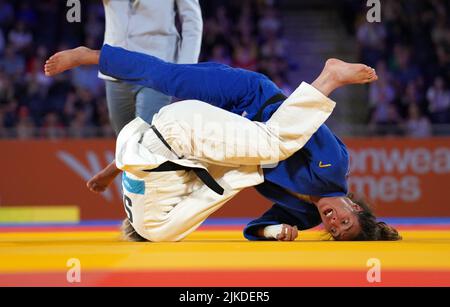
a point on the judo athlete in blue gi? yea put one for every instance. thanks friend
(176, 174)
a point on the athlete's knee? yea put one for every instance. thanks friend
(152, 234)
(163, 231)
(161, 236)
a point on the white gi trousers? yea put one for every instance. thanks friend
(167, 206)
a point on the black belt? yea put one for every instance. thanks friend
(201, 173)
(272, 100)
(159, 135)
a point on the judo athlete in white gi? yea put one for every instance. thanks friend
(199, 153)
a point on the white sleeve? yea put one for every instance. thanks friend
(191, 31)
(272, 231)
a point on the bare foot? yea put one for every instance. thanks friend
(337, 73)
(100, 182)
(346, 73)
(68, 59)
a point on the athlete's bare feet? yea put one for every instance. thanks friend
(337, 73)
(347, 73)
(68, 59)
(101, 181)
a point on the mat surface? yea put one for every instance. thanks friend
(218, 255)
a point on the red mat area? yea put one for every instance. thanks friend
(336, 278)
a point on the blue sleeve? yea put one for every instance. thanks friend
(217, 84)
(281, 215)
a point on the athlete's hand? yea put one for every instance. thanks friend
(99, 183)
(288, 233)
(280, 232)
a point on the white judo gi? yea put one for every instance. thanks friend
(167, 206)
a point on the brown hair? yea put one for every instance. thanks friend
(129, 233)
(371, 229)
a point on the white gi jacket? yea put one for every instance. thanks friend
(170, 205)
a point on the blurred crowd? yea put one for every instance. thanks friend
(410, 49)
(244, 33)
(31, 105)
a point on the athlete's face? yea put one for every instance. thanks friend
(339, 216)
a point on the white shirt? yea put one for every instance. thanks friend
(148, 26)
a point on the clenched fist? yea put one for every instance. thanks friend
(281, 232)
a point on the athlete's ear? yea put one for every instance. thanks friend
(356, 207)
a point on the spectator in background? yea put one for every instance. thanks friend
(417, 125)
(34, 68)
(410, 96)
(404, 69)
(12, 63)
(79, 125)
(93, 27)
(6, 88)
(413, 39)
(84, 106)
(86, 77)
(6, 14)
(273, 47)
(2, 41)
(52, 127)
(10, 113)
(386, 120)
(25, 126)
(27, 14)
(214, 35)
(68, 112)
(220, 55)
(269, 23)
(443, 55)
(245, 58)
(230, 27)
(3, 132)
(282, 83)
(35, 100)
(148, 26)
(371, 38)
(102, 118)
(253, 41)
(439, 102)
(412, 43)
(441, 32)
(20, 37)
(381, 92)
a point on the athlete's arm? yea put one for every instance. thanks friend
(280, 223)
(281, 232)
(103, 179)
(191, 30)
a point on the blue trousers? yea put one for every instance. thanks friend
(231, 89)
(126, 101)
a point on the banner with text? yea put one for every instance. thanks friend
(402, 177)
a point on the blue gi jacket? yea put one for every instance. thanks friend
(320, 168)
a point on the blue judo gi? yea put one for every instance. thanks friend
(320, 168)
